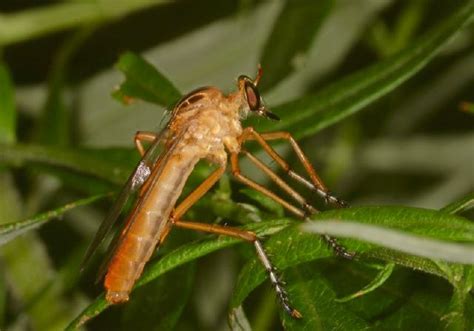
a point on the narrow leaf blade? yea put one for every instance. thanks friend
(398, 240)
(99, 163)
(292, 36)
(7, 107)
(312, 113)
(144, 81)
(316, 300)
(159, 304)
(305, 247)
(378, 281)
(460, 205)
(9, 231)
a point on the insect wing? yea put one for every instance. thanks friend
(134, 182)
(120, 235)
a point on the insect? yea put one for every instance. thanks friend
(205, 124)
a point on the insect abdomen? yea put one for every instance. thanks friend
(127, 265)
(146, 226)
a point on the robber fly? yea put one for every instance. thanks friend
(204, 124)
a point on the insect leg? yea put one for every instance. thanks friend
(280, 182)
(143, 136)
(195, 195)
(316, 184)
(234, 158)
(262, 255)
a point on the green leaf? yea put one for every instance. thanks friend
(10, 207)
(223, 206)
(306, 247)
(238, 321)
(54, 126)
(378, 281)
(292, 36)
(316, 301)
(103, 164)
(426, 222)
(287, 248)
(9, 231)
(230, 210)
(7, 107)
(398, 240)
(159, 304)
(407, 23)
(180, 256)
(112, 165)
(460, 205)
(414, 220)
(38, 289)
(38, 21)
(407, 301)
(312, 113)
(144, 81)
(459, 312)
(269, 204)
(3, 298)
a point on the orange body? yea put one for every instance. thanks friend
(149, 223)
(205, 124)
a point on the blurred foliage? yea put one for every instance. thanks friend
(378, 93)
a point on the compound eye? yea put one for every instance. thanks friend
(253, 97)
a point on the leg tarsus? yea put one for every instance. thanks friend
(337, 248)
(316, 184)
(277, 283)
(331, 199)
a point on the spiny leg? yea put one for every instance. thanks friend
(234, 159)
(316, 184)
(280, 182)
(262, 255)
(194, 196)
(338, 248)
